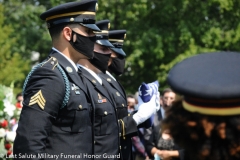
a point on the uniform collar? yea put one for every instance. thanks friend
(91, 72)
(111, 76)
(73, 64)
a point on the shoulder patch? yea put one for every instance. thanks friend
(38, 99)
(54, 63)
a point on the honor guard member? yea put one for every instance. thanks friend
(55, 121)
(128, 124)
(106, 139)
(117, 60)
(106, 128)
(206, 120)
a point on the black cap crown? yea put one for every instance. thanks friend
(82, 12)
(210, 83)
(116, 37)
(102, 37)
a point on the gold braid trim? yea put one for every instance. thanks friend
(55, 62)
(123, 128)
(55, 65)
(46, 61)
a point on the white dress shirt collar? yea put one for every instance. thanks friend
(73, 64)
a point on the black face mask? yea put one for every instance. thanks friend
(84, 45)
(117, 65)
(100, 61)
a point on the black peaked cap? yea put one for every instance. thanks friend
(82, 12)
(210, 83)
(116, 37)
(102, 37)
(103, 24)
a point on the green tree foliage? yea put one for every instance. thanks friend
(29, 30)
(12, 67)
(160, 33)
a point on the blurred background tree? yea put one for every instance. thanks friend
(13, 67)
(160, 33)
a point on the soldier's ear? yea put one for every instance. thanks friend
(67, 33)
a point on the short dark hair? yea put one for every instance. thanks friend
(130, 96)
(166, 90)
(55, 31)
(19, 94)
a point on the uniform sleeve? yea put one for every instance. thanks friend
(43, 97)
(128, 126)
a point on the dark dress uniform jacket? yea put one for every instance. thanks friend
(106, 129)
(127, 125)
(46, 129)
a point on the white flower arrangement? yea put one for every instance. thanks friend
(10, 136)
(2, 132)
(9, 115)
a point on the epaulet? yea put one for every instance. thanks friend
(54, 62)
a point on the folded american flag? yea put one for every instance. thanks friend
(146, 91)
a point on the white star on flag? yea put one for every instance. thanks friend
(149, 92)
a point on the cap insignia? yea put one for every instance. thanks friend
(72, 19)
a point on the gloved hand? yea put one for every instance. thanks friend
(146, 110)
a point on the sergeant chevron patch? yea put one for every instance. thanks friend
(38, 99)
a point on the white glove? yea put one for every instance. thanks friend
(146, 110)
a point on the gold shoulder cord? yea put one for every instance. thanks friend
(123, 128)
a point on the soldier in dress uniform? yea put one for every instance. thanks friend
(117, 60)
(108, 128)
(105, 122)
(129, 124)
(206, 120)
(116, 65)
(56, 119)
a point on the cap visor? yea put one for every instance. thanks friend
(104, 43)
(119, 51)
(91, 26)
